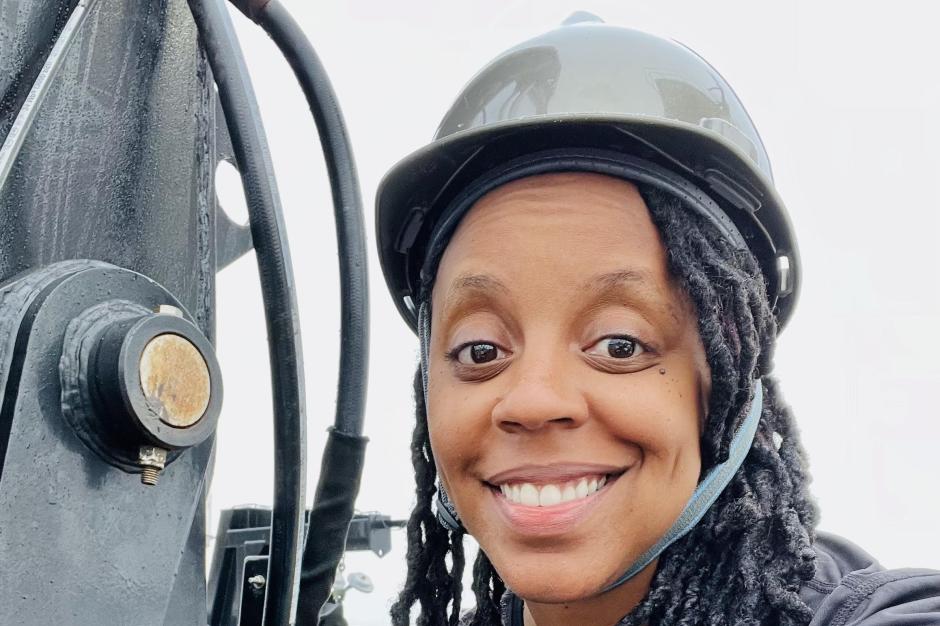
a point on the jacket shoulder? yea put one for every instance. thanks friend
(851, 588)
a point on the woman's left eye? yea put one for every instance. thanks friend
(617, 347)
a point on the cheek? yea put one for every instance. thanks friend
(660, 413)
(457, 421)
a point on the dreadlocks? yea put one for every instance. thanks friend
(429, 581)
(745, 561)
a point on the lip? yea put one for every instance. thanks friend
(540, 522)
(554, 473)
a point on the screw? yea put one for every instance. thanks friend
(151, 460)
(149, 476)
(257, 582)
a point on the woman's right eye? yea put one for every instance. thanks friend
(477, 353)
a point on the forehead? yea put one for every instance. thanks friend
(551, 218)
(562, 231)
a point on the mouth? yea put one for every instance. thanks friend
(548, 501)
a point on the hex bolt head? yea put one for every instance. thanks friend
(152, 460)
(257, 582)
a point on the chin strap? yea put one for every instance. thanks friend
(446, 513)
(424, 338)
(707, 490)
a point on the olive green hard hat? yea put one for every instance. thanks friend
(588, 96)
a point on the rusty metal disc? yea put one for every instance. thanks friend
(175, 380)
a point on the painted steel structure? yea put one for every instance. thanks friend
(110, 239)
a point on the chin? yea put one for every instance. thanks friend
(553, 583)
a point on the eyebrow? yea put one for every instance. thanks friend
(618, 279)
(468, 287)
(638, 288)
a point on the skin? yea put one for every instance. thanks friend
(544, 277)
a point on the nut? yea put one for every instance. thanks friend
(152, 460)
(257, 582)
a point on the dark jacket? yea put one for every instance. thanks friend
(850, 588)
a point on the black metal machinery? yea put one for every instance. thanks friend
(239, 564)
(110, 238)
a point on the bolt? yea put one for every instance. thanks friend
(257, 582)
(151, 460)
(149, 476)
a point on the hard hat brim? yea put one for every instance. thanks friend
(414, 190)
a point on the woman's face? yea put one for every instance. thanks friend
(567, 383)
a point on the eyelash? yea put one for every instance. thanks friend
(636, 343)
(453, 354)
(625, 365)
(477, 372)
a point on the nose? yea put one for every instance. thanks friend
(539, 395)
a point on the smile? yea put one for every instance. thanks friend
(550, 494)
(543, 503)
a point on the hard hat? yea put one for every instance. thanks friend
(588, 96)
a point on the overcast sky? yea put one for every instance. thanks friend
(846, 96)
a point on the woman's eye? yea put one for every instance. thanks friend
(478, 353)
(618, 347)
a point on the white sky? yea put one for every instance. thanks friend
(846, 96)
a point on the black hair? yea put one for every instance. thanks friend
(745, 561)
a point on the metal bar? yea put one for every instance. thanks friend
(37, 93)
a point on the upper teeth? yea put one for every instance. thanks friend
(551, 494)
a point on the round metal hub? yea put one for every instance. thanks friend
(175, 380)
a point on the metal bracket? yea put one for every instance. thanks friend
(232, 240)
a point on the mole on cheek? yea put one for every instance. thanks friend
(662, 371)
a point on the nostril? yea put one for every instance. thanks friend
(532, 404)
(516, 425)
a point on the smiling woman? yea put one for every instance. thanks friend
(597, 264)
(586, 405)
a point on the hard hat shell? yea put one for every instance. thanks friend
(591, 85)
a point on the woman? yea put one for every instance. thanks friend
(596, 262)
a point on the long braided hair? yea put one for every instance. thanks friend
(746, 560)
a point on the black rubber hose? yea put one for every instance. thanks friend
(340, 472)
(343, 458)
(347, 207)
(277, 289)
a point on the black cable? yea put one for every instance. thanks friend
(347, 206)
(341, 468)
(344, 454)
(277, 290)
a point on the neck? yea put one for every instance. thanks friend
(604, 609)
